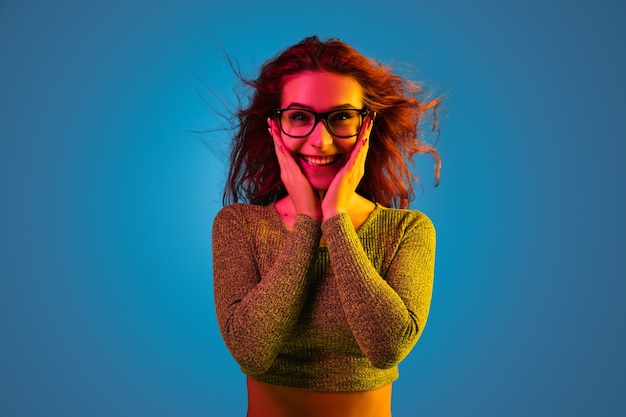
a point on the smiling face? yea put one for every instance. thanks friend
(321, 154)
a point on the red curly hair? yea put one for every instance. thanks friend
(254, 174)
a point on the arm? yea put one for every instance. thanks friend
(258, 305)
(385, 313)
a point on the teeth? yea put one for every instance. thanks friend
(320, 160)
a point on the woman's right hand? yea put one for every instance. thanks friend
(304, 198)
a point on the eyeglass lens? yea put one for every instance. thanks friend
(341, 123)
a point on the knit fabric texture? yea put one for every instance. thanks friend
(337, 317)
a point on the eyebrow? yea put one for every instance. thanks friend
(305, 106)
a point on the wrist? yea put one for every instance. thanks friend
(313, 212)
(314, 215)
(329, 213)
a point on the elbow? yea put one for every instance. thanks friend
(251, 364)
(390, 353)
(253, 358)
(254, 367)
(389, 358)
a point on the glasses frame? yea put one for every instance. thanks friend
(323, 116)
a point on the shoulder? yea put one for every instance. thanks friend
(400, 226)
(242, 212)
(239, 216)
(410, 229)
(402, 218)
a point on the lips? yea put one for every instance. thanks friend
(320, 161)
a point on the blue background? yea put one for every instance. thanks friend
(107, 200)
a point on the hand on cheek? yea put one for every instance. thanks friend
(303, 196)
(343, 187)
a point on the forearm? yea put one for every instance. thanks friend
(385, 321)
(258, 307)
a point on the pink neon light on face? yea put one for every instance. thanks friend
(321, 155)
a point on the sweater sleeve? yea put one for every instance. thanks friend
(386, 311)
(257, 308)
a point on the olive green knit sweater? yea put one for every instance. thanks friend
(338, 317)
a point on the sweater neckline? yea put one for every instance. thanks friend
(364, 226)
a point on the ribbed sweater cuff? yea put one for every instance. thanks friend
(338, 225)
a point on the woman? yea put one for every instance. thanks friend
(320, 288)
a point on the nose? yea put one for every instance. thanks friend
(320, 136)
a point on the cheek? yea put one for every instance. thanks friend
(292, 145)
(347, 145)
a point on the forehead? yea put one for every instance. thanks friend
(322, 90)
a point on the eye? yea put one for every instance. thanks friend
(342, 117)
(299, 116)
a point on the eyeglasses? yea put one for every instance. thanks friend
(300, 123)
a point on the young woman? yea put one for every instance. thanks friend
(321, 288)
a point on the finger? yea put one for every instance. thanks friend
(368, 123)
(290, 171)
(273, 127)
(362, 145)
(275, 134)
(365, 139)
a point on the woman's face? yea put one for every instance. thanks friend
(321, 154)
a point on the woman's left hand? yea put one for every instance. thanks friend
(342, 188)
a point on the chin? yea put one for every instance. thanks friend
(322, 187)
(319, 184)
(320, 179)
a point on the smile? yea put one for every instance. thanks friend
(318, 161)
